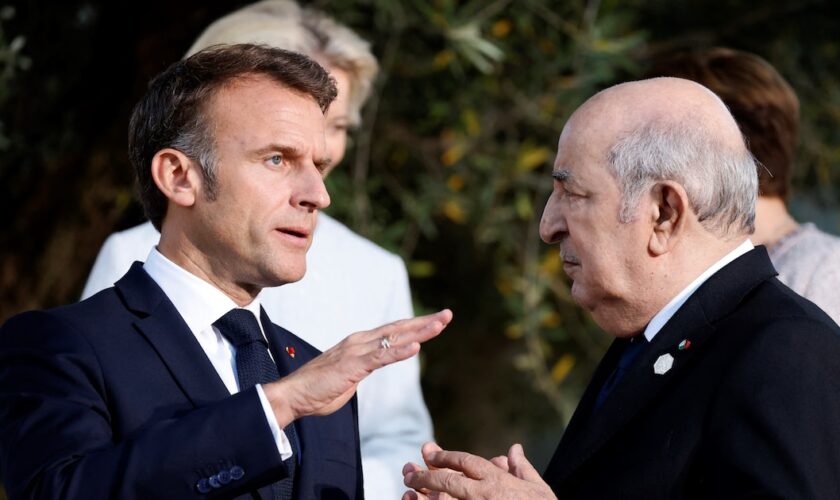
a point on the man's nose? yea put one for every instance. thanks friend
(552, 224)
(311, 193)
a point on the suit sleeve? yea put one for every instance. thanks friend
(57, 440)
(772, 430)
(394, 423)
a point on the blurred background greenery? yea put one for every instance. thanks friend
(450, 170)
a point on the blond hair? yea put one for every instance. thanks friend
(284, 24)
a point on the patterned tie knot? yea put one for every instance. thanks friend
(240, 328)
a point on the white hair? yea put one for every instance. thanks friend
(720, 180)
(284, 24)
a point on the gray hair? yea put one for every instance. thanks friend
(721, 181)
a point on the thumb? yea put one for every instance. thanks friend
(520, 466)
(427, 449)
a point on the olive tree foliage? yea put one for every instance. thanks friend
(450, 168)
(453, 161)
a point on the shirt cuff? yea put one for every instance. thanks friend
(284, 447)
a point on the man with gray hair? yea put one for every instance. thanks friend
(722, 382)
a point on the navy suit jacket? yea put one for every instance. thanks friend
(113, 397)
(751, 409)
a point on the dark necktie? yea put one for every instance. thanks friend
(631, 351)
(255, 366)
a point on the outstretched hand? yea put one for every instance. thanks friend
(424, 494)
(455, 474)
(326, 383)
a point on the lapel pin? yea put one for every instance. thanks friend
(663, 364)
(684, 345)
(290, 351)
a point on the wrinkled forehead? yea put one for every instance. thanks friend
(582, 155)
(587, 137)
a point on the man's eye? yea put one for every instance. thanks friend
(275, 160)
(339, 127)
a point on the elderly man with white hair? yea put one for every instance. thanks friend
(721, 382)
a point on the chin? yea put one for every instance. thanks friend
(293, 277)
(580, 298)
(283, 276)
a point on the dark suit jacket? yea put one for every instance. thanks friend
(113, 397)
(750, 410)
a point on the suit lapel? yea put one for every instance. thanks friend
(162, 326)
(285, 348)
(693, 322)
(288, 355)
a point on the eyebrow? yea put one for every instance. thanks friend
(288, 150)
(566, 178)
(562, 175)
(323, 163)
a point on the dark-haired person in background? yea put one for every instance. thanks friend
(767, 111)
(175, 383)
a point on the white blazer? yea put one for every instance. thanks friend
(351, 284)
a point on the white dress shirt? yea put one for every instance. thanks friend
(201, 304)
(672, 307)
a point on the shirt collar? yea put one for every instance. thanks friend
(672, 307)
(197, 301)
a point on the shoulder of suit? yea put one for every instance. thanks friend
(774, 309)
(98, 313)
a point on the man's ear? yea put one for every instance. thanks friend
(177, 177)
(670, 211)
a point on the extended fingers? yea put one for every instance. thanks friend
(406, 331)
(413, 495)
(439, 481)
(520, 466)
(501, 462)
(429, 448)
(470, 465)
(404, 338)
(410, 467)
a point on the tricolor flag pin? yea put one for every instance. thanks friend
(684, 345)
(290, 351)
